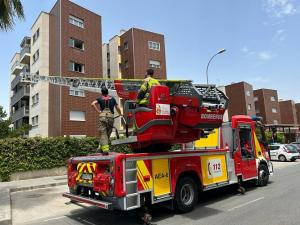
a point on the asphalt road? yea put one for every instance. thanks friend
(276, 204)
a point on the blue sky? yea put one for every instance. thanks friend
(261, 38)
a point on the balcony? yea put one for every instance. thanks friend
(21, 93)
(15, 82)
(25, 55)
(20, 113)
(16, 68)
(17, 79)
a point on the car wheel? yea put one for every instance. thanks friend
(282, 158)
(186, 195)
(263, 175)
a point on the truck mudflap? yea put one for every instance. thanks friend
(98, 203)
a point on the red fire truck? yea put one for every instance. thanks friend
(178, 112)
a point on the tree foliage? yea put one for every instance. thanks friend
(27, 154)
(9, 9)
(6, 131)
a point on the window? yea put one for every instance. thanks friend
(154, 45)
(75, 43)
(275, 121)
(246, 148)
(35, 121)
(255, 99)
(77, 116)
(35, 99)
(154, 64)
(76, 92)
(249, 107)
(36, 56)
(274, 110)
(125, 45)
(272, 99)
(76, 21)
(36, 35)
(248, 93)
(76, 67)
(126, 64)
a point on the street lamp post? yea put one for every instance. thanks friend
(219, 52)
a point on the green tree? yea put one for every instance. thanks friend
(4, 124)
(5, 130)
(9, 9)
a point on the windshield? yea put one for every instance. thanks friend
(291, 148)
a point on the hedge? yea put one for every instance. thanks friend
(27, 154)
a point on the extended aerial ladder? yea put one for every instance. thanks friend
(178, 111)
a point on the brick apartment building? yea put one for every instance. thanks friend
(129, 54)
(288, 112)
(241, 100)
(65, 42)
(297, 106)
(267, 105)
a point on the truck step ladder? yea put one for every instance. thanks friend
(132, 196)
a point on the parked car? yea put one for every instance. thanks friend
(283, 152)
(297, 145)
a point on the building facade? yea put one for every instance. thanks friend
(65, 42)
(297, 106)
(288, 112)
(241, 99)
(267, 105)
(19, 93)
(129, 54)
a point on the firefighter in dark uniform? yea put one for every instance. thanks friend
(106, 118)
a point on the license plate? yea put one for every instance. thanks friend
(87, 176)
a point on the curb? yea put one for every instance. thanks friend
(5, 210)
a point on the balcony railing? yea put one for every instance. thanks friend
(16, 68)
(17, 79)
(20, 113)
(15, 82)
(25, 55)
(23, 92)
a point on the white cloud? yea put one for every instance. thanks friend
(261, 79)
(245, 49)
(279, 8)
(280, 35)
(266, 55)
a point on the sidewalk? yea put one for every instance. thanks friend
(7, 187)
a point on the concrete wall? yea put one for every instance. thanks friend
(41, 66)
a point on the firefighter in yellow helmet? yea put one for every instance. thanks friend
(106, 118)
(143, 95)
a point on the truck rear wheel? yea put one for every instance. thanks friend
(263, 175)
(186, 196)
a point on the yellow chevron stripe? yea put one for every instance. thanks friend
(141, 179)
(144, 172)
(89, 168)
(94, 166)
(78, 166)
(81, 168)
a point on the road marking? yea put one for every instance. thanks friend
(86, 221)
(247, 203)
(55, 218)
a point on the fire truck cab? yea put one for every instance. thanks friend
(230, 154)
